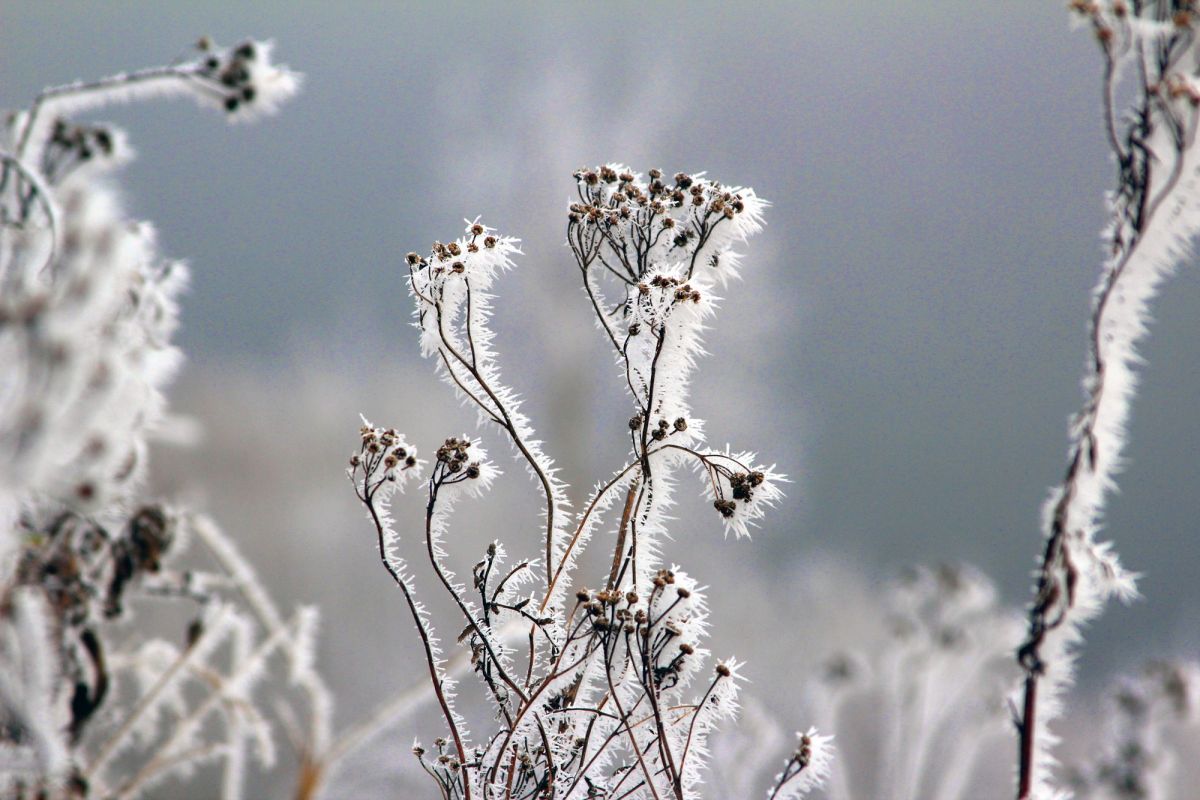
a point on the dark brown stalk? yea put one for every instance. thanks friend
(619, 550)
(430, 660)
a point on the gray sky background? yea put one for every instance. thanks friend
(908, 339)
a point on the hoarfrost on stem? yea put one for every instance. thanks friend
(1151, 55)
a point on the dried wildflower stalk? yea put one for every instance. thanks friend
(89, 706)
(601, 692)
(1150, 53)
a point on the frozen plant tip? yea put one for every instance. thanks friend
(241, 80)
(805, 769)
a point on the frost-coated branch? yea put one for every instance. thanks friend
(1149, 49)
(241, 80)
(453, 311)
(384, 462)
(665, 247)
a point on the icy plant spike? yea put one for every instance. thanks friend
(1151, 55)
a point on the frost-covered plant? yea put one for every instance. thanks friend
(1152, 56)
(595, 692)
(91, 706)
(88, 305)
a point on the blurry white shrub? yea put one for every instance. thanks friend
(917, 693)
(91, 706)
(924, 708)
(1149, 740)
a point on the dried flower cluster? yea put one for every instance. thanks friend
(596, 692)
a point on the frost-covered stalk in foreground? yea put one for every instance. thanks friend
(90, 707)
(595, 692)
(1150, 54)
